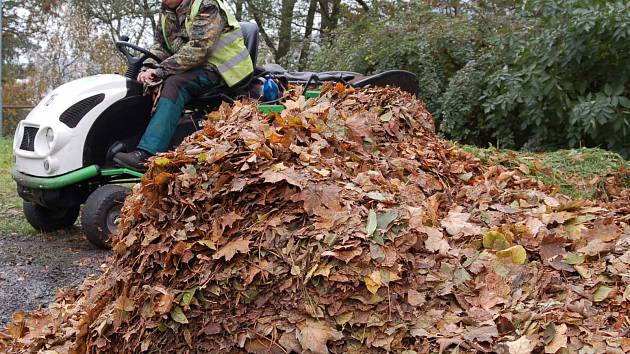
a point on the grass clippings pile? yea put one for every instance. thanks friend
(344, 225)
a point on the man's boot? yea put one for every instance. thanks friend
(134, 160)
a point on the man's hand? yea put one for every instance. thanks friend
(147, 75)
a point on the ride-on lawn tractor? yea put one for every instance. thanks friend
(64, 148)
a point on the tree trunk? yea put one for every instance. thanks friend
(364, 5)
(284, 32)
(306, 45)
(261, 25)
(239, 9)
(329, 10)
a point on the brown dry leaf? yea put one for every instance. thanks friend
(164, 303)
(230, 219)
(604, 230)
(289, 342)
(123, 303)
(456, 222)
(521, 346)
(315, 334)
(233, 247)
(379, 278)
(596, 247)
(435, 242)
(559, 340)
(482, 334)
(289, 175)
(294, 191)
(344, 255)
(415, 298)
(552, 252)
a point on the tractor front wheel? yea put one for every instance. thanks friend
(48, 220)
(100, 214)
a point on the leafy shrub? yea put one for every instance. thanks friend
(549, 74)
(431, 45)
(461, 113)
(562, 81)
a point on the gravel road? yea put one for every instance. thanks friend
(33, 267)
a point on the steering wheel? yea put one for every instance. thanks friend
(134, 64)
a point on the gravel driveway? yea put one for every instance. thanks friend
(33, 267)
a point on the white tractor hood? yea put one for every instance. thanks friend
(44, 145)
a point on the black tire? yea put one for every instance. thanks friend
(48, 220)
(100, 212)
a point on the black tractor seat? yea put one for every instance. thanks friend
(250, 35)
(402, 79)
(302, 77)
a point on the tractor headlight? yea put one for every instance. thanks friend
(50, 165)
(45, 141)
(50, 137)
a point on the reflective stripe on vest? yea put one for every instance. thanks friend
(229, 55)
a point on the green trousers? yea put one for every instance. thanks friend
(176, 92)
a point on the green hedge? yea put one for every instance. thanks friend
(553, 74)
(431, 45)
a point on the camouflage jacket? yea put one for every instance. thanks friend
(186, 53)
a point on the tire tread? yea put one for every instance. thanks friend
(95, 211)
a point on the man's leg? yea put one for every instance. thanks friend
(176, 92)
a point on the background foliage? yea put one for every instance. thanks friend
(524, 74)
(541, 74)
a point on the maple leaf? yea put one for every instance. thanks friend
(344, 255)
(289, 175)
(521, 346)
(229, 219)
(231, 248)
(436, 242)
(456, 222)
(595, 247)
(482, 334)
(315, 334)
(415, 298)
(559, 339)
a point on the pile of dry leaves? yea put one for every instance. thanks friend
(344, 225)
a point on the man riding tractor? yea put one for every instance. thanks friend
(201, 45)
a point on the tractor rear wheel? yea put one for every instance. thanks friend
(100, 214)
(48, 220)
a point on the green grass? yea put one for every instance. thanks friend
(11, 218)
(578, 173)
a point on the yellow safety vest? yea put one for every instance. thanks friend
(229, 55)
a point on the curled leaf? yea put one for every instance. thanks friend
(162, 162)
(178, 315)
(495, 240)
(517, 254)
